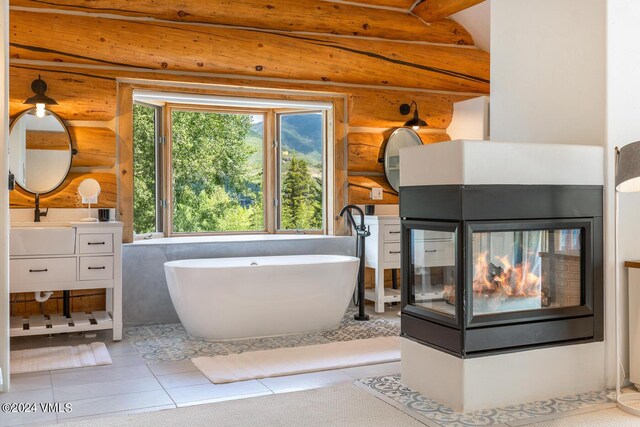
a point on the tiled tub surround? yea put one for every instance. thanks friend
(145, 294)
(170, 342)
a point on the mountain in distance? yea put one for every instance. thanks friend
(301, 133)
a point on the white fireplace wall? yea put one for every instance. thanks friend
(548, 71)
(623, 127)
(567, 72)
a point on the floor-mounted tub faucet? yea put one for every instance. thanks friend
(38, 213)
(362, 232)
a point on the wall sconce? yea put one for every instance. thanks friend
(416, 122)
(40, 100)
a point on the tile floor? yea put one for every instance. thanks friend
(389, 389)
(133, 384)
(170, 342)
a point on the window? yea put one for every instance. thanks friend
(300, 170)
(217, 162)
(147, 167)
(229, 170)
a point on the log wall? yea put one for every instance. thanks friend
(377, 57)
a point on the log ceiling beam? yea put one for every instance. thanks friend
(80, 94)
(399, 4)
(192, 48)
(277, 15)
(436, 10)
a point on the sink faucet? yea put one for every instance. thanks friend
(38, 212)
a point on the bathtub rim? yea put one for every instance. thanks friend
(229, 239)
(218, 263)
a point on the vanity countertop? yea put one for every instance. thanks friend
(76, 224)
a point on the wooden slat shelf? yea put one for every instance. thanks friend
(55, 324)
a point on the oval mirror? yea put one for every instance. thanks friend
(400, 138)
(39, 151)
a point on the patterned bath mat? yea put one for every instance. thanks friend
(160, 343)
(389, 389)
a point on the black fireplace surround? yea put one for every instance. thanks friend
(490, 269)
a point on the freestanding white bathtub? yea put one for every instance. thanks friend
(235, 298)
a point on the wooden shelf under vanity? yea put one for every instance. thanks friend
(56, 324)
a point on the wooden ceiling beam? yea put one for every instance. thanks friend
(399, 4)
(190, 48)
(436, 10)
(342, 19)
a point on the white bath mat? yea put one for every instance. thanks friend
(298, 360)
(50, 358)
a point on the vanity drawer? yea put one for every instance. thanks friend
(28, 274)
(96, 243)
(391, 232)
(434, 254)
(96, 268)
(392, 252)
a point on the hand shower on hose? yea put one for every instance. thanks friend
(362, 232)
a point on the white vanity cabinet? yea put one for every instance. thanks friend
(382, 252)
(79, 255)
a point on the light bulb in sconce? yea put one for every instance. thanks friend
(40, 100)
(416, 128)
(40, 110)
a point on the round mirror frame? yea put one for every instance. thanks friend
(72, 151)
(397, 133)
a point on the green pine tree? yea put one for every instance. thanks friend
(299, 197)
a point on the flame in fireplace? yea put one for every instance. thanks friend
(504, 278)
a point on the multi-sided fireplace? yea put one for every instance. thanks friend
(497, 268)
(502, 267)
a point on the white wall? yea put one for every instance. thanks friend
(470, 119)
(623, 118)
(477, 20)
(549, 85)
(4, 194)
(548, 71)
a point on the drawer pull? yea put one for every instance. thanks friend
(96, 243)
(394, 252)
(394, 232)
(97, 268)
(44, 270)
(432, 251)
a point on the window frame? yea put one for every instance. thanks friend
(159, 170)
(278, 113)
(271, 173)
(168, 181)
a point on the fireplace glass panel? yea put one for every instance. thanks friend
(526, 270)
(433, 271)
